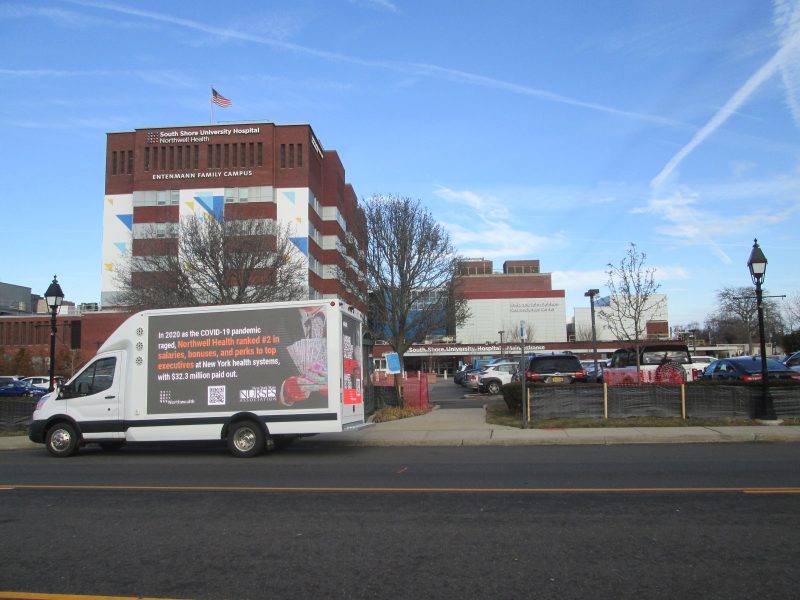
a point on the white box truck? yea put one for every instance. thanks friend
(254, 375)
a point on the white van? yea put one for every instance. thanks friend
(255, 375)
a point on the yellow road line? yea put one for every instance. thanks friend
(472, 490)
(37, 596)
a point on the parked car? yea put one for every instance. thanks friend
(18, 388)
(494, 376)
(554, 368)
(43, 381)
(7, 378)
(748, 368)
(793, 361)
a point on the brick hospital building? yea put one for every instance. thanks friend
(156, 176)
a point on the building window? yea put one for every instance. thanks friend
(244, 194)
(130, 162)
(230, 194)
(147, 159)
(235, 156)
(217, 155)
(174, 197)
(299, 155)
(227, 158)
(283, 156)
(163, 159)
(210, 157)
(291, 156)
(114, 162)
(242, 157)
(260, 161)
(180, 158)
(155, 158)
(163, 197)
(196, 163)
(252, 156)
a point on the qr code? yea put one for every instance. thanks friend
(216, 395)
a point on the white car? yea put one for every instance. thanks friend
(493, 377)
(38, 381)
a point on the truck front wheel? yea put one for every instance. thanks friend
(62, 440)
(246, 439)
(494, 387)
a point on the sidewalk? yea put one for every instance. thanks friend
(467, 427)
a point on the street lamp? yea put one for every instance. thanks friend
(501, 333)
(757, 263)
(54, 297)
(591, 294)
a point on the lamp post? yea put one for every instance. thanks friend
(757, 263)
(54, 297)
(501, 333)
(591, 294)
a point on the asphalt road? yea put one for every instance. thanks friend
(329, 521)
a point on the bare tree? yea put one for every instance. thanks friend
(213, 262)
(632, 299)
(736, 320)
(791, 312)
(411, 269)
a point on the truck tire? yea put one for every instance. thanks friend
(246, 439)
(61, 440)
(493, 387)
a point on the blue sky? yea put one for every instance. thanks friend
(561, 131)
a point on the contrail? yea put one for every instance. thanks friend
(724, 113)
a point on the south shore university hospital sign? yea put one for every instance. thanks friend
(185, 136)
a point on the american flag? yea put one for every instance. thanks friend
(219, 99)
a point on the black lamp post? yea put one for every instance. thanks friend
(591, 294)
(502, 348)
(54, 297)
(757, 263)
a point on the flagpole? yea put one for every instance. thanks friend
(212, 103)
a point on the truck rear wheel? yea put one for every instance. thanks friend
(62, 440)
(246, 439)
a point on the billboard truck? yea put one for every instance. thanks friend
(254, 375)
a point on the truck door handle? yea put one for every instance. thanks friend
(110, 397)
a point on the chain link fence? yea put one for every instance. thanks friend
(16, 413)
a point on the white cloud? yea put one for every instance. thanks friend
(493, 235)
(382, 5)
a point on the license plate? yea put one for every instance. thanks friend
(557, 379)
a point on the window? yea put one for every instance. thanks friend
(147, 159)
(155, 158)
(252, 154)
(174, 197)
(172, 158)
(196, 163)
(235, 157)
(283, 156)
(180, 158)
(163, 159)
(260, 154)
(114, 162)
(244, 194)
(230, 194)
(130, 162)
(96, 378)
(299, 155)
(217, 155)
(163, 197)
(242, 157)
(227, 157)
(210, 157)
(291, 156)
